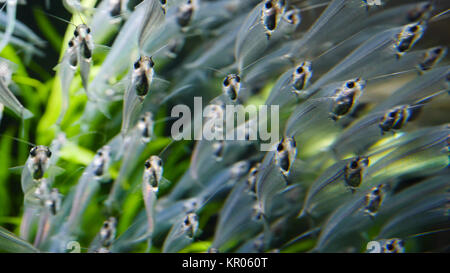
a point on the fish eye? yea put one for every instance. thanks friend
(280, 147)
(351, 84)
(147, 164)
(268, 5)
(390, 247)
(226, 82)
(413, 28)
(137, 65)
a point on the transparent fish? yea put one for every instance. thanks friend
(270, 182)
(108, 232)
(231, 86)
(39, 161)
(432, 56)
(185, 12)
(348, 171)
(66, 70)
(181, 234)
(286, 155)
(409, 35)
(141, 78)
(380, 48)
(323, 114)
(83, 38)
(11, 22)
(134, 143)
(150, 184)
(7, 98)
(87, 186)
(51, 202)
(301, 76)
(105, 237)
(38, 196)
(375, 126)
(272, 11)
(346, 218)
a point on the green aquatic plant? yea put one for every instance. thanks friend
(348, 150)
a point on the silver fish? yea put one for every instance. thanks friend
(108, 232)
(66, 71)
(83, 38)
(409, 35)
(286, 155)
(374, 199)
(38, 162)
(11, 14)
(231, 86)
(301, 76)
(141, 79)
(7, 98)
(271, 14)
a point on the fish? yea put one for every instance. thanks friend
(184, 13)
(181, 234)
(286, 154)
(82, 36)
(66, 70)
(409, 35)
(231, 86)
(139, 87)
(7, 98)
(271, 14)
(11, 6)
